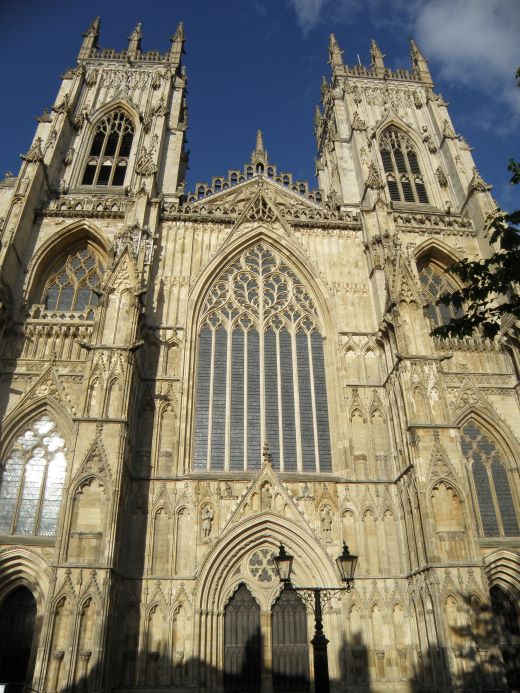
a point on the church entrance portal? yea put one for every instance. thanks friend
(243, 644)
(17, 621)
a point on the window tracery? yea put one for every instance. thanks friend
(403, 174)
(261, 372)
(108, 157)
(435, 283)
(495, 500)
(73, 285)
(31, 482)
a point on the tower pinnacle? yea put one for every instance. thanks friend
(259, 155)
(177, 40)
(134, 41)
(90, 39)
(377, 59)
(335, 54)
(419, 63)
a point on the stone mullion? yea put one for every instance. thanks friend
(261, 340)
(210, 407)
(313, 399)
(229, 375)
(280, 404)
(246, 428)
(299, 456)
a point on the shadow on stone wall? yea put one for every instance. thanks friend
(477, 667)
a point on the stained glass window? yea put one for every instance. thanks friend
(435, 283)
(108, 158)
(261, 370)
(73, 285)
(31, 481)
(403, 175)
(494, 497)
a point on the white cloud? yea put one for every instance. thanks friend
(470, 42)
(308, 12)
(475, 42)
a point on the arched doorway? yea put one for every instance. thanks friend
(507, 616)
(290, 643)
(242, 643)
(17, 622)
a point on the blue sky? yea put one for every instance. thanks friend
(258, 64)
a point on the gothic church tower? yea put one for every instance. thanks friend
(192, 378)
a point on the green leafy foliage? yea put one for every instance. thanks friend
(491, 289)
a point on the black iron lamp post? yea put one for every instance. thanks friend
(346, 563)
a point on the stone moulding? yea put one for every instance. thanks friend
(415, 221)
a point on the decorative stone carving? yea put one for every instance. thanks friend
(358, 123)
(206, 521)
(35, 153)
(441, 177)
(477, 183)
(69, 156)
(145, 164)
(373, 180)
(447, 131)
(428, 140)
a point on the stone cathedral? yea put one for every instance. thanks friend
(191, 378)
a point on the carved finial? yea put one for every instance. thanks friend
(267, 458)
(377, 59)
(177, 40)
(259, 155)
(90, 39)
(324, 87)
(35, 153)
(419, 63)
(335, 54)
(317, 117)
(134, 41)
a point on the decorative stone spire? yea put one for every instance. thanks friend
(177, 48)
(134, 41)
(420, 64)
(90, 40)
(267, 458)
(335, 54)
(259, 155)
(377, 59)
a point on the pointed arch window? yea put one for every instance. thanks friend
(401, 165)
(496, 505)
(31, 481)
(434, 283)
(74, 283)
(261, 370)
(108, 156)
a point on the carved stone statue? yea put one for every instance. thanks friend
(326, 521)
(206, 516)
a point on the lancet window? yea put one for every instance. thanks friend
(261, 371)
(108, 157)
(434, 283)
(31, 481)
(73, 285)
(403, 174)
(491, 482)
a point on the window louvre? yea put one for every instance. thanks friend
(401, 166)
(109, 152)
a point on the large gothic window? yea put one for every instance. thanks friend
(74, 282)
(261, 370)
(403, 174)
(435, 283)
(108, 157)
(31, 481)
(495, 500)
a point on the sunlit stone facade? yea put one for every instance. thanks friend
(190, 379)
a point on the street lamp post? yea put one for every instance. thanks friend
(346, 563)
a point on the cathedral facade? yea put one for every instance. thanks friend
(192, 378)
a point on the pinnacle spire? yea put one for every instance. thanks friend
(377, 59)
(419, 63)
(90, 39)
(134, 40)
(177, 41)
(335, 54)
(259, 155)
